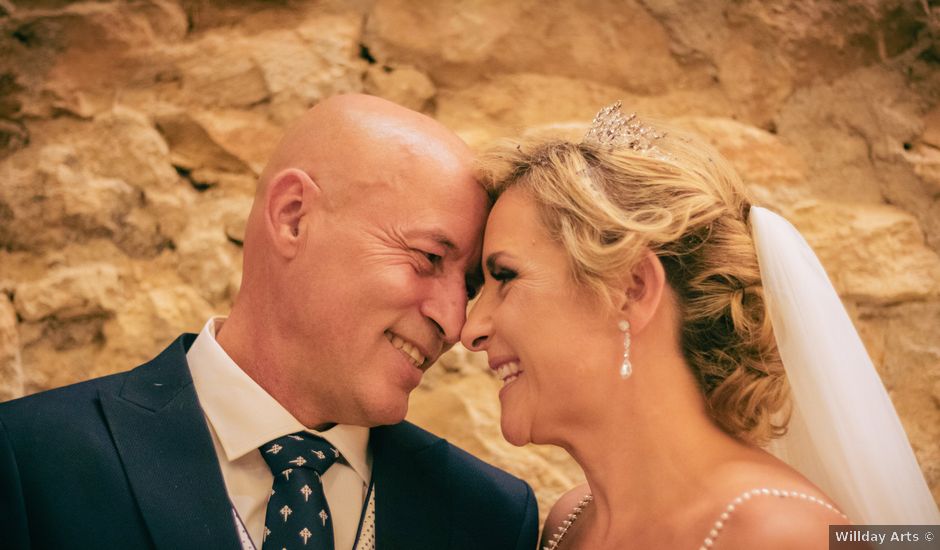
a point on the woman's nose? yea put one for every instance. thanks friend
(476, 331)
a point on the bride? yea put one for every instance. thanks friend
(645, 317)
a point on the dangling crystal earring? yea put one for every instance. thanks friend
(626, 369)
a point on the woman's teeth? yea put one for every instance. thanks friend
(508, 372)
(412, 352)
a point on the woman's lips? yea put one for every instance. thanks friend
(507, 371)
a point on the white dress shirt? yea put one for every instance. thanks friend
(242, 417)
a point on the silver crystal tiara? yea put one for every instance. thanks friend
(611, 128)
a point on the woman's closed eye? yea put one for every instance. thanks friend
(503, 275)
(497, 269)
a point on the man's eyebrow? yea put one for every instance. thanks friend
(437, 237)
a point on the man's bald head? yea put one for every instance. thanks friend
(332, 142)
(361, 248)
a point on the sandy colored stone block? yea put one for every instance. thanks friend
(70, 292)
(405, 86)
(873, 253)
(857, 33)
(46, 367)
(191, 146)
(124, 144)
(924, 154)
(80, 186)
(207, 256)
(141, 234)
(926, 163)
(248, 136)
(229, 141)
(931, 133)
(303, 67)
(55, 201)
(565, 39)
(11, 367)
(166, 19)
(336, 34)
(852, 132)
(81, 53)
(77, 200)
(910, 370)
(758, 156)
(286, 67)
(219, 71)
(169, 208)
(756, 80)
(511, 105)
(13, 136)
(235, 226)
(121, 143)
(148, 322)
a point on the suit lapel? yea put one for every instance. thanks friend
(164, 443)
(411, 491)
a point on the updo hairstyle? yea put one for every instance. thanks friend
(607, 204)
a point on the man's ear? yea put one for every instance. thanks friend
(289, 198)
(643, 291)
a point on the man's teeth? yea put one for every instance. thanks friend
(411, 351)
(508, 372)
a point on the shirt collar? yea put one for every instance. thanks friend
(225, 391)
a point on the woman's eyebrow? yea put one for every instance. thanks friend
(492, 259)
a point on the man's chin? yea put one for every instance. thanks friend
(385, 414)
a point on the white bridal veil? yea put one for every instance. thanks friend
(845, 435)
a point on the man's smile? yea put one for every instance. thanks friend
(410, 349)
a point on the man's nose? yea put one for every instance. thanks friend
(446, 307)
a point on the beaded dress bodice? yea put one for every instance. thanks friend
(717, 527)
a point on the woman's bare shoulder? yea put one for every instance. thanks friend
(779, 519)
(560, 510)
(771, 506)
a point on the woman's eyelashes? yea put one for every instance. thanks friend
(503, 275)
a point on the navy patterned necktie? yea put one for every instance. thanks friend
(297, 515)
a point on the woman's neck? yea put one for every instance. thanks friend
(646, 461)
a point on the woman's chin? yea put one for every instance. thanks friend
(513, 433)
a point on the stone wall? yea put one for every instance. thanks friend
(131, 134)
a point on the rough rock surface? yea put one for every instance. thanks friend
(131, 135)
(11, 368)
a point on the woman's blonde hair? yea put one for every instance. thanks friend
(606, 204)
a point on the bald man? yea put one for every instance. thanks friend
(282, 425)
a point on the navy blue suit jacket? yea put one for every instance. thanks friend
(126, 461)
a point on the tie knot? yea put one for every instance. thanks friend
(299, 450)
